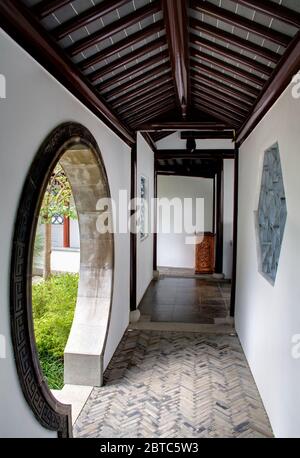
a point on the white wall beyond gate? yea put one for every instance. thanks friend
(267, 317)
(172, 250)
(36, 103)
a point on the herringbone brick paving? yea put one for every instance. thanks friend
(175, 385)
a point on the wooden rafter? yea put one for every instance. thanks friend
(223, 88)
(175, 15)
(233, 39)
(133, 70)
(121, 45)
(241, 22)
(273, 10)
(140, 101)
(145, 90)
(127, 59)
(19, 23)
(225, 77)
(222, 101)
(112, 29)
(154, 72)
(201, 88)
(233, 55)
(43, 9)
(85, 18)
(223, 65)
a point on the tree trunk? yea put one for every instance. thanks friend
(47, 253)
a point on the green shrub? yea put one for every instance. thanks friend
(53, 305)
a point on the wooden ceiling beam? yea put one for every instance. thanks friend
(154, 72)
(165, 154)
(133, 70)
(223, 65)
(112, 29)
(22, 26)
(247, 88)
(143, 90)
(218, 101)
(175, 16)
(231, 123)
(43, 9)
(215, 105)
(281, 78)
(85, 18)
(145, 99)
(222, 88)
(235, 40)
(274, 10)
(183, 125)
(121, 45)
(241, 22)
(148, 108)
(162, 110)
(127, 59)
(225, 134)
(220, 96)
(233, 55)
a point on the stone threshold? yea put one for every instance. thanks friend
(74, 395)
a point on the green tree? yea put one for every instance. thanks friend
(57, 201)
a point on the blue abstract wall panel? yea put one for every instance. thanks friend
(272, 214)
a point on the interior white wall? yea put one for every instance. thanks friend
(228, 170)
(145, 167)
(36, 103)
(172, 250)
(268, 317)
(174, 141)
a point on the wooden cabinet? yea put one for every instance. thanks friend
(205, 253)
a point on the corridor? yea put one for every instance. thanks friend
(186, 300)
(175, 385)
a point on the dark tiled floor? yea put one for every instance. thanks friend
(186, 300)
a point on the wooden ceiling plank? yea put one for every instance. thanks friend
(241, 22)
(235, 40)
(131, 71)
(220, 108)
(85, 18)
(229, 122)
(19, 23)
(43, 9)
(221, 87)
(121, 45)
(150, 96)
(112, 29)
(198, 90)
(274, 10)
(142, 90)
(229, 79)
(233, 55)
(127, 59)
(151, 106)
(155, 72)
(220, 95)
(175, 15)
(137, 123)
(227, 67)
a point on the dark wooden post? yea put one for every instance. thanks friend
(133, 235)
(66, 227)
(155, 225)
(235, 231)
(219, 217)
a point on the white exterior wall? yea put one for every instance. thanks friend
(36, 103)
(268, 317)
